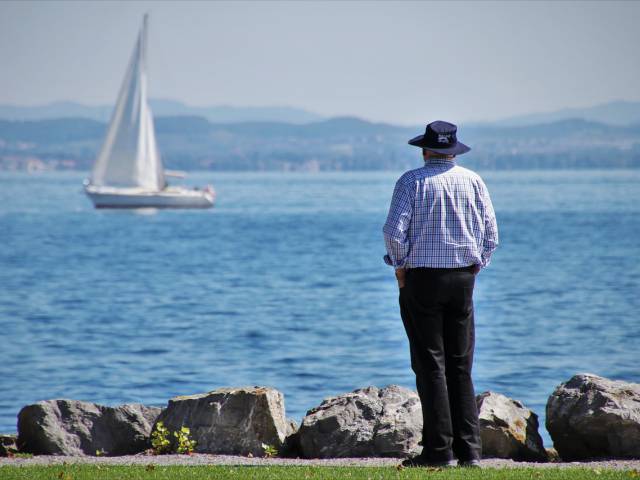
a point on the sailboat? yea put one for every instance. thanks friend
(128, 172)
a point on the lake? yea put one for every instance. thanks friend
(283, 284)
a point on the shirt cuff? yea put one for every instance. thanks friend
(388, 261)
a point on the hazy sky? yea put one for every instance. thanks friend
(404, 62)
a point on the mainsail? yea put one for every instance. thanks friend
(129, 156)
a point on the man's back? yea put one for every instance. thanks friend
(440, 231)
(441, 216)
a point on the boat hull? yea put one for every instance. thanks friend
(133, 198)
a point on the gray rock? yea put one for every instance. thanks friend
(508, 429)
(73, 427)
(367, 422)
(8, 444)
(234, 421)
(292, 426)
(291, 446)
(591, 416)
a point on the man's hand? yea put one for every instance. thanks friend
(400, 276)
(476, 268)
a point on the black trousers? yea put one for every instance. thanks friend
(436, 305)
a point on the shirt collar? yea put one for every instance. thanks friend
(440, 161)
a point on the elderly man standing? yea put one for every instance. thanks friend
(440, 232)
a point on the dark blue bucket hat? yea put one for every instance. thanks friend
(440, 137)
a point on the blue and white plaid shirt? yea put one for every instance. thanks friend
(440, 216)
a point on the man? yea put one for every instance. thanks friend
(440, 232)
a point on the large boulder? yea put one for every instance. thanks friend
(369, 422)
(508, 429)
(73, 427)
(230, 420)
(591, 416)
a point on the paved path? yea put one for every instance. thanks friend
(208, 459)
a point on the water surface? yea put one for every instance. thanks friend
(283, 284)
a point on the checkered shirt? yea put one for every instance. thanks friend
(440, 216)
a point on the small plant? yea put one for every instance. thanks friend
(269, 450)
(100, 452)
(185, 444)
(161, 443)
(159, 439)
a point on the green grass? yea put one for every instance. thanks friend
(91, 472)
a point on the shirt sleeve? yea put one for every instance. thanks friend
(396, 227)
(490, 240)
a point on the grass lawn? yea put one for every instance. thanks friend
(78, 472)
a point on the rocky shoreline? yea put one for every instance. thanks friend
(588, 417)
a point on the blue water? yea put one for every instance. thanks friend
(283, 284)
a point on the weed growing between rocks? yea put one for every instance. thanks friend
(185, 445)
(161, 444)
(270, 451)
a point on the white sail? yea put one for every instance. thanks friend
(129, 156)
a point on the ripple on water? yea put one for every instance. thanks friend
(150, 351)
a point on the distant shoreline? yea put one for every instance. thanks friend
(338, 144)
(45, 171)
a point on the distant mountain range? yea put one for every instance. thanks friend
(68, 135)
(345, 143)
(218, 114)
(613, 113)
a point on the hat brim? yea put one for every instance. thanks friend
(458, 149)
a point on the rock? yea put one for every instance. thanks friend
(8, 444)
(291, 446)
(591, 416)
(367, 422)
(292, 426)
(235, 421)
(508, 429)
(73, 427)
(552, 455)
